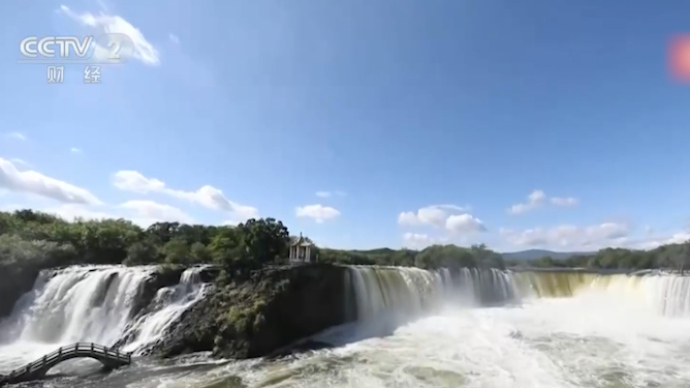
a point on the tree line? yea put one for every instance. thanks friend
(35, 239)
(671, 256)
(43, 240)
(38, 239)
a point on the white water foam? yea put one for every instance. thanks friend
(611, 332)
(569, 331)
(173, 301)
(91, 304)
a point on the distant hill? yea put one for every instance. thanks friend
(532, 254)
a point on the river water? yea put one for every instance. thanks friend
(551, 331)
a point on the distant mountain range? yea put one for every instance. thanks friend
(532, 254)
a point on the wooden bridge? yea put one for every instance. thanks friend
(110, 359)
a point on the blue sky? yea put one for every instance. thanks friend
(519, 124)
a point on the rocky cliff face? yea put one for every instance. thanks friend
(15, 282)
(256, 317)
(247, 318)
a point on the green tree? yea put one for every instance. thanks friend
(176, 251)
(199, 253)
(225, 246)
(141, 252)
(265, 240)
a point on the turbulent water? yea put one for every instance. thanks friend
(416, 328)
(91, 304)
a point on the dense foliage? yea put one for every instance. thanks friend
(39, 240)
(43, 240)
(672, 256)
(435, 256)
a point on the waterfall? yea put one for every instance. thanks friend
(663, 293)
(117, 305)
(406, 292)
(89, 304)
(99, 304)
(393, 290)
(169, 304)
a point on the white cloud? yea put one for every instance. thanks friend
(135, 45)
(32, 182)
(141, 212)
(16, 136)
(136, 182)
(534, 200)
(317, 212)
(570, 237)
(75, 150)
(453, 218)
(464, 223)
(148, 212)
(421, 240)
(207, 196)
(326, 194)
(174, 39)
(435, 215)
(538, 198)
(70, 212)
(657, 241)
(408, 218)
(20, 161)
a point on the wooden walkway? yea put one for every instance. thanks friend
(110, 359)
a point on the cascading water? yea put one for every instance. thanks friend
(405, 293)
(90, 304)
(93, 304)
(572, 329)
(408, 292)
(662, 293)
(169, 304)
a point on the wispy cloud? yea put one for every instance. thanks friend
(318, 213)
(174, 39)
(16, 136)
(117, 27)
(453, 218)
(20, 161)
(33, 182)
(326, 194)
(75, 150)
(538, 198)
(150, 210)
(421, 240)
(571, 237)
(207, 196)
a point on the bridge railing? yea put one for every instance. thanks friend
(80, 347)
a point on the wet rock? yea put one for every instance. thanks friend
(209, 274)
(15, 282)
(194, 332)
(162, 277)
(274, 308)
(300, 347)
